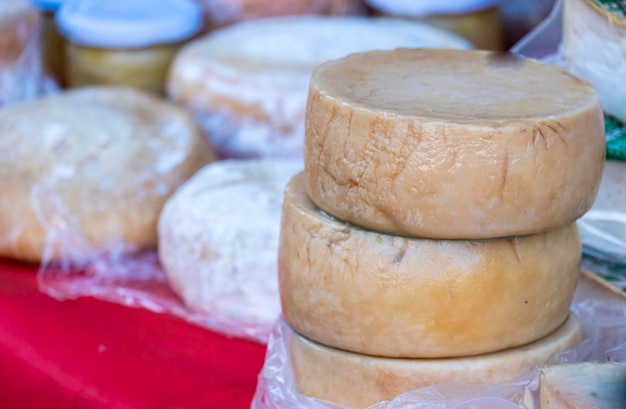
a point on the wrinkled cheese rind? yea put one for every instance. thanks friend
(452, 144)
(584, 385)
(393, 296)
(247, 83)
(358, 381)
(88, 170)
(594, 45)
(218, 240)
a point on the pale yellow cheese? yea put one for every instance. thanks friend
(392, 296)
(594, 47)
(452, 143)
(86, 172)
(584, 385)
(358, 381)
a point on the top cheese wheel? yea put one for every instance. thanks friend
(453, 144)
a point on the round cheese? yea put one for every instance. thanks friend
(248, 83)
(220, 13)
(452, 144)
(358, 381)
(594, 45)
(87, 172)
(583, 385)
(20, 59)
(402, 297)
(218, 242)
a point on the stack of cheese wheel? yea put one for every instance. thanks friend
(431, 237)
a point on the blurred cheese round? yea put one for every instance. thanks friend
(401, 297)
(87, 171)
(220, 13)
(594, 46)
(218, 242)
(583, 385)
(20, 59)
(358, 381)
(452, 144)
(248, 83)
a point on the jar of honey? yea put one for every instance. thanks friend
(125, 42)
(477, 20)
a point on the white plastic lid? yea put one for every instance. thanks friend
(421, 8)
(48, 5)
(128, 23)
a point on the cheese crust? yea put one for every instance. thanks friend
(452, 144)
(358, 381)
(87, 171)
(384, 295)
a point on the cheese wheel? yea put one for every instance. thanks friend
(248, 83)
(20, 59)
(452, 144)
(583, 385)
(358, 381)
(87, 172)
(218, 242)
(220, 13)
(594, 45)
(393, 296)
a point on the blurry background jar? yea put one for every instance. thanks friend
(52, 43)
(476, 20)
(124, 42)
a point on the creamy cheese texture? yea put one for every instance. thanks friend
(218, 242)
(248, 83)
(594, 45)
(452, 144)
(95, 164)
(385, 295)
(585, 385)
(358, 381)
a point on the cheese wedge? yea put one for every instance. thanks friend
(358, 381)
(392, 296)
(586, 385)
(452, 144)
(594, 46)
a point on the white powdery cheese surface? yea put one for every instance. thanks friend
(218, 243)
(247, 83)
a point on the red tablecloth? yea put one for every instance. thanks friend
(88, 353)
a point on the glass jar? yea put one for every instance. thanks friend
(126, 43)
(476, 20)
(52, 43)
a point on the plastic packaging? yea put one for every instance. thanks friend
(20, 60)
(218, 242)
(603, 228)
(52, 43)
(125, 43)
(604, 324)
(247, 84)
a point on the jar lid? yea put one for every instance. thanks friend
(422, 8)
(48, 5)
(128, 23)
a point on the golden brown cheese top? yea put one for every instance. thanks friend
(454, 85)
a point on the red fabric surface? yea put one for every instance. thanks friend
(88, 353)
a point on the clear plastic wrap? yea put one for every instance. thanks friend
(601, 314)
(603, 228)
(20, 55)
